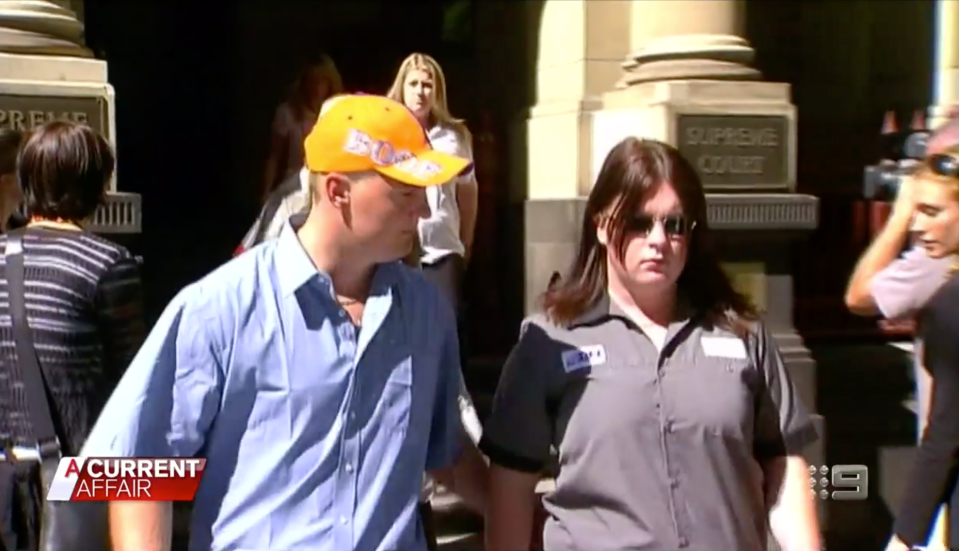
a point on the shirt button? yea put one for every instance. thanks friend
(344, 520)
(352, 415)
(669, 425)
(673, 483)
(683, 542)
(342, 314)
(349, 468)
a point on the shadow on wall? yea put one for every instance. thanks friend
(864, 393)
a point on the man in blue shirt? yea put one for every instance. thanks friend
(316, 373)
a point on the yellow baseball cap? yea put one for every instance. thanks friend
(358, 133)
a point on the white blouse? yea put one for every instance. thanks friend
(440, 233)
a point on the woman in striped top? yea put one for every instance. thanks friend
(83, 293)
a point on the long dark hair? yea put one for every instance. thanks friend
(10, 141)
(630, 172)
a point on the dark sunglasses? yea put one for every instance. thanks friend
(674, 225)
(944, 165)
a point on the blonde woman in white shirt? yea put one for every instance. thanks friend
(446, 237)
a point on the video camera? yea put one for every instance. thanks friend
(901, 153)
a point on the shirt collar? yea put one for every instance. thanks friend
(600, 310)
(604, 308)
(296, 269)
(305, 179)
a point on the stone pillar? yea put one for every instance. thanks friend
(580, 48)
(47, 73)
(705, 43)
(947, 60)
(41, 27)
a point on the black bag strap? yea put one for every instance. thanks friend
(38, 402)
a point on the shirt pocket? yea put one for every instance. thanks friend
(722, 400)
(397, 395)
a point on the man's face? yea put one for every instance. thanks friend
(383, 215)
(936, 219)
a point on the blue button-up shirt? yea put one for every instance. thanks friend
(316, 432)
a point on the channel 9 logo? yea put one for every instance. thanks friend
(839, 482)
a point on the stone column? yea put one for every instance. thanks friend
(947, 60)
(47, 73)
(41, 27)
(580, 50)
(704, 43)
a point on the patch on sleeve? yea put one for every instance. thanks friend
(583, 357)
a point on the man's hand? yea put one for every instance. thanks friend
(468, 478)
(141, 525)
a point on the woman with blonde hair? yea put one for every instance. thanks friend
(317, 80)
(445, 238)
(935, 194)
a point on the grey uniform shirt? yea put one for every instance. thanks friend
(656, 450)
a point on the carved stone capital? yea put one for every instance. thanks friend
(40, 27)
(691, 57)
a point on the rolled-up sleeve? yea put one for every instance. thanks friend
(168, 397)
(446, 432)
(783, 425)
(905, 286)
(518, 433)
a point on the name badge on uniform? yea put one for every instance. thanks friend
(724, 347)
(583, 357)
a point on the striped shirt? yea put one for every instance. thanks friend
(85, 310)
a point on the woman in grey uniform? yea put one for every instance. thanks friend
(675, 421)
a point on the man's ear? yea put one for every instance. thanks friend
(336, 189)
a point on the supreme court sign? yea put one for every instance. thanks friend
(737, 152)
(26, 112)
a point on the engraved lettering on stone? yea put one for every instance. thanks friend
(26, 113)
(734, 150)
(732, 137)
(29, 120)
